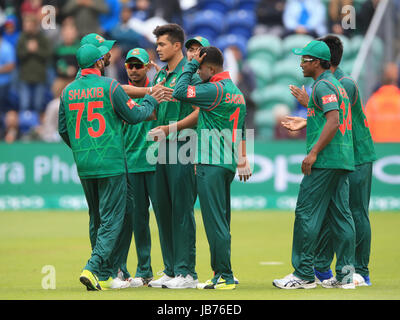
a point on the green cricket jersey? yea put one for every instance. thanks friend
(136, 144)
(328, 94)
(91, 114)
(175, 110)
(364, 150)
(221, 117)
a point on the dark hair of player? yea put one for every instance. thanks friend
(214, 56)
(335, 46)
(175, 32)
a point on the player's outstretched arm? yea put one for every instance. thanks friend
(294, 123)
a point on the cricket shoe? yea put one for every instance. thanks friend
(115, 283)
(321, 276)
(360, 281)
(138, 282)
(293, 282)
(334, 283)
(159, 282)
(220, 285)
(89, 280)
(181, 282)
(234, 278)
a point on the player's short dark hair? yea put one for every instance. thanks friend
(325, 64)
(214, 56)
(174, 31)
(336, 48)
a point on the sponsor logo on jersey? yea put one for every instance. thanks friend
(310, 112)
(191, 92)
(329, 98)
(131, 104)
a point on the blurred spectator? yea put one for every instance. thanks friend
(305, 17)
(86, 14)
(281, 111)
(269, 17)
(33, 52)
(243, 76)
(31, 7)
(168, 10)
(10, 132)
(365, 14)
(126, 37)
(64, 55)
(336, 16)
(383, 108)
(7, 65)
(10, 30)
(143, 10)
(111, 19)
(48, 129)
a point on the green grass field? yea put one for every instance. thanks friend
(261, 251)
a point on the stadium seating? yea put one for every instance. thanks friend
(207, 23)
(240, 22)
(294, 41)
(227, 40)
(250, 5)
(264, 47)
(268, 97)
(288, 71)
(221, 6)
(262, 71)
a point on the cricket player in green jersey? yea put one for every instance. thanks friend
(193, 44)
(221, 118)
(359, 180)
(175, 180)
(141, 182)
(324, 191)
(91, 114)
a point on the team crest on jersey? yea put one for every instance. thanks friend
(191, 92)
(173, 82)
(329, 98)
(131, 104)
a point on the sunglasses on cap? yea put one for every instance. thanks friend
(136, 65)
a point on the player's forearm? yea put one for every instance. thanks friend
(189, 122)
(142, 112)
(328, 132)
(181, 88)
(135, 92)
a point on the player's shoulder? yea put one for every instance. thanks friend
(326, 84)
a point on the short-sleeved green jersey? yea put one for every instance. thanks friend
(221, 117)
(175, 110)
(136, 143)
(364, 150)
(91, 114)
(327, 95)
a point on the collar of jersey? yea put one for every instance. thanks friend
(323, 75)
(181, 65)
(87, 71)
(220, 76)
(339, 73)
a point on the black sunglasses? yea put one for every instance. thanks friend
(137, 66)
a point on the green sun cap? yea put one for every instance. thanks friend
(97, 40)
(203, 42)
(88, 54)
(138, 53)
(315, 48)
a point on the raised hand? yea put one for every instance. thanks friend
(301, 95)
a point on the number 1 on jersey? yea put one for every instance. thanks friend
(235, 117)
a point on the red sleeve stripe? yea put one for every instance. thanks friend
(220, 96)
(115, 87)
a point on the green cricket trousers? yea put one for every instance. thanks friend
(359, 196)
(175, 196)
(214, 190)
(323, 197)
(106, 198)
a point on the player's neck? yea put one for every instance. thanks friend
(333, 69)
(173, 63)
(317, 73)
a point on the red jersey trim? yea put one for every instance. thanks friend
(85, 72)
(220, 76)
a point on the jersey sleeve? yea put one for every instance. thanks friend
(351, 90)
(62, 123)
(204, 95)
(127, 109)
(326, 96)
